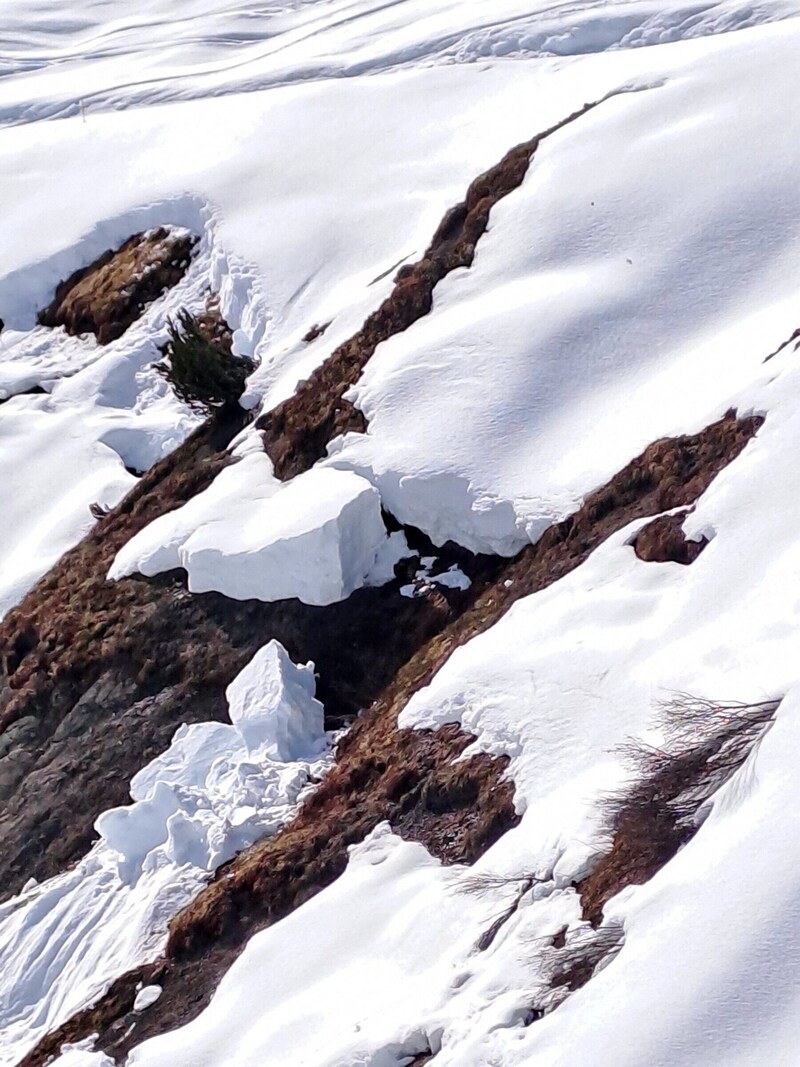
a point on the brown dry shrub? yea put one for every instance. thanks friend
(576, 962)
(658, 811)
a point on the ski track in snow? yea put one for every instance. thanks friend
(629, 289)
(115, 59)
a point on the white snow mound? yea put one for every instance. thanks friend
(218, 788)
(316, 538)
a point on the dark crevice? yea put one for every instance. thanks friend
(489, 936)
(317, 330)
(794, 336)
(34, 390)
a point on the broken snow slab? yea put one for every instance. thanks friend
(217, 788)
(249, 536)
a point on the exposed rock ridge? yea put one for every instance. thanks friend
(297, 432)
(407, 777)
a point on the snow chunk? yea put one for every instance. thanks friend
(394, 549)
(146, 997)
(240, 490)
(272, 705)
(78, 1057)
(316, 540)
(249, 536)
(219, 787)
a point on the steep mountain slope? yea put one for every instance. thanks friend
(513, 472)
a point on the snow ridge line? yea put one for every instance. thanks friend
(794, 336)
(296, 433)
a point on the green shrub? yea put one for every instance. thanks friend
(201, 373)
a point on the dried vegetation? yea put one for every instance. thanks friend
(113, 291)
(663, 540)
(661, 808)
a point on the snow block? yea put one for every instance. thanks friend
(218, 787)
(316, 539)
(249, 536)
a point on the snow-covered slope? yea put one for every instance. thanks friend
(628, 288)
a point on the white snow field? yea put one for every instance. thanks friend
(606, 307)
(105, 412)
(216, 789)
(101, 55)
(629, 289)
(294, 235)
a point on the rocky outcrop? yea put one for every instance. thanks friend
(406, 777)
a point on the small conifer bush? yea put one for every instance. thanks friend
(201, 373)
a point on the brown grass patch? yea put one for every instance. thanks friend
(113, 291)
(661, 808)
(663, 540)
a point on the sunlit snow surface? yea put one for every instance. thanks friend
(629, 289)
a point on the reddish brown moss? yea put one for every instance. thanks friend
(113, 291)
(663, 540)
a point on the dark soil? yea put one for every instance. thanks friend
(317, 330)
(407, 777)
(793, 338)
(663, 541)
(111, 293)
